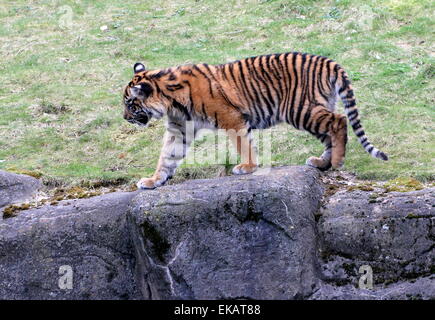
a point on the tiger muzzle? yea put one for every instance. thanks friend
(139, 118)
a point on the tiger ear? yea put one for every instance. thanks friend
(138, 67)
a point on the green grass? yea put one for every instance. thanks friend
(61, 83)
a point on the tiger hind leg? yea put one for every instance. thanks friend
(331, 129)
(323, 162)
(338, 132)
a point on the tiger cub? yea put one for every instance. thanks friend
(254, 93)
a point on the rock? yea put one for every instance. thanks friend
(16, 187)
(89, 235)
(393, 234)
(421, 288)
(261, 236)
(238, 237)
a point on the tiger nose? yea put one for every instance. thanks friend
(127, 116)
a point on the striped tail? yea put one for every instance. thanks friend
(346, 94)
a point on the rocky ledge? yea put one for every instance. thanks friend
(16, 187)
(264, 236)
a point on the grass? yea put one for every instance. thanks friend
(64, 64)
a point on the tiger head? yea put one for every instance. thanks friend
(142, 99)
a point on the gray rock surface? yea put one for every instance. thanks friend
(420, 288)
(89, 235)
(249, 237)
(392, 233)
(269, 236)
(16, 187)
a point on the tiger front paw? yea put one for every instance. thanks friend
(244, 168)
(146, 183)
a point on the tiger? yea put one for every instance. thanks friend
(259, 92)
